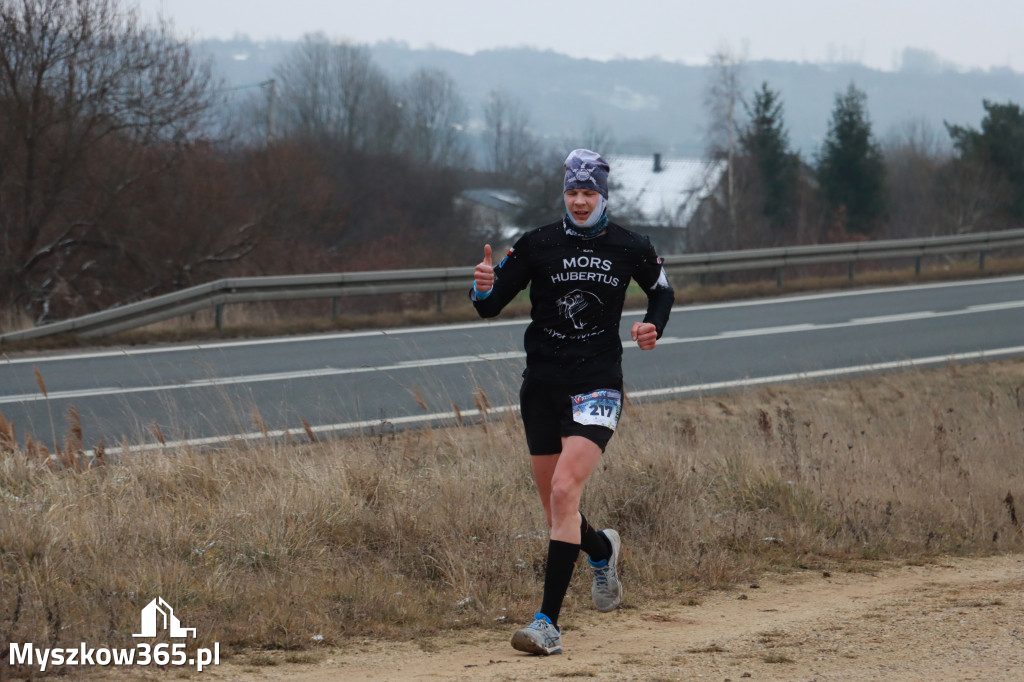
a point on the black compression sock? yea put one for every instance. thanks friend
(561, 561)
(593, 542)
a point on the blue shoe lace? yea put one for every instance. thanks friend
(539, 618)
(600, 571)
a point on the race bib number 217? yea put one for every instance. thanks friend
(597, 408)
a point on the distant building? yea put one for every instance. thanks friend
(494, 210)
(667, 199)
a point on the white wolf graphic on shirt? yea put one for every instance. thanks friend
(579, 307)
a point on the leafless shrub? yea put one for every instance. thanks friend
(89, 95)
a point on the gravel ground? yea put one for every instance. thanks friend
(956, 619)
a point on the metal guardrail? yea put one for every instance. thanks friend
(295, 287)
(851, 253)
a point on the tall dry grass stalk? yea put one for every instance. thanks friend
(407, 534)
(13, 319)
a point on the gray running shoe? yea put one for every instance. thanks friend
(539, 637)
(606, 588)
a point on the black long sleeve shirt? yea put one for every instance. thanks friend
(577, 291)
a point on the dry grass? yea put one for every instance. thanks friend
(276, 546)
(14, 318)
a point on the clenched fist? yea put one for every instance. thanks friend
(645, 334)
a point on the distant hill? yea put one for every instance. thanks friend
(657, 106)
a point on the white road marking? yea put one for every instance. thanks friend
(489, 357)
(399, 331)
(785, 329)
(184, 348)
(986, 307)
(258, 378)
(852, 292)
(909, 363)
(436, 417)
(856, 322)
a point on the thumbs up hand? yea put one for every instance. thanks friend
(483, 276)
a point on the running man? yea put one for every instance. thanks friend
(578, 269)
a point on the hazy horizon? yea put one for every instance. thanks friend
(982, 35)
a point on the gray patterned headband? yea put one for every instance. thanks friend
(585, 169)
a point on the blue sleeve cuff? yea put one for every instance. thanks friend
(480, 295)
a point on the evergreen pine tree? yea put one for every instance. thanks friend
(765, 142)
(999, 147)
(851, 168)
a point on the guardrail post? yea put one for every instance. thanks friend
(218, 316)
(917, 266)
(778, 276)
(981, 260)
(440, 301)
(850, 267)
(335, 307)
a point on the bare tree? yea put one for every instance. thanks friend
(334, 91)
(723, 101)
(378, 149)
(435, 117)
(512, 148)
(916, 161)
(972, 198)
(596, 137)
(306, 98)
(87, 92)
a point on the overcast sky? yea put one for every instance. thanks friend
(969, 34)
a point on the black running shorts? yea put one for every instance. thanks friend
(554, 411)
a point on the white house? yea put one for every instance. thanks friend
(665, 198)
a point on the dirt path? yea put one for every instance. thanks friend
(960, 619)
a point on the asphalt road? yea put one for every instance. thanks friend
(380, 380)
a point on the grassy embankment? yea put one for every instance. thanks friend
(303, 545)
